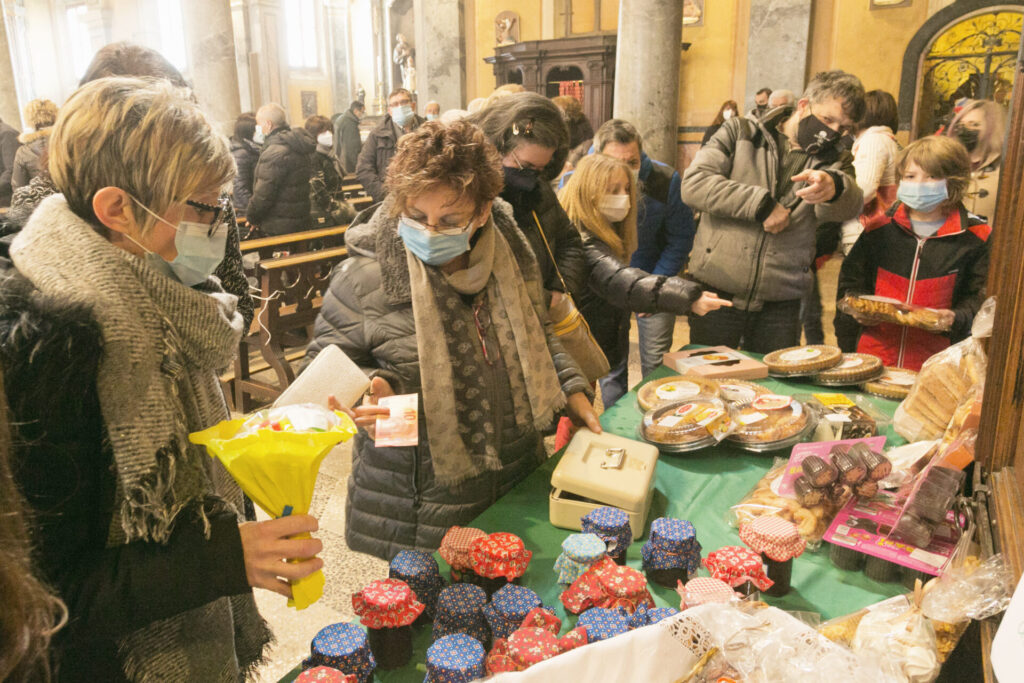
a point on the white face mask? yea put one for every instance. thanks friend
(614, 207)
(727, 114)
(326, 139)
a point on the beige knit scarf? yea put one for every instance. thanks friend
(162, 345)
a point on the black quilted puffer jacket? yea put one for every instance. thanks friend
(393, 500)
(280, 193)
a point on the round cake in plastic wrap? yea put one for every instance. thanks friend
(895, 383)
(673, 389)
(772, 421)
(852, 369)
(803, 360)
(683, 426)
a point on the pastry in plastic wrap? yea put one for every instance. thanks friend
(770, 419)
(740, 391)
(681, 426)
(853, 368)
(658, 392)
(880, 309)
(811, 521)
(895, 383)
(803, 360)
(903, 634)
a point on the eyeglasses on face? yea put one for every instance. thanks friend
(219, 211)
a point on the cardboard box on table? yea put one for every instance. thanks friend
(600, 470)
(715, 362)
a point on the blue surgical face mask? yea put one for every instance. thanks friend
(432, 117)
(258, 137)
(401, 115)
(922, 196)
(433, 248)
(199, 252)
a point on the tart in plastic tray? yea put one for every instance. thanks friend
(772, 421)
(740, 391)
(676, 427)
(802, 360)
(883, 309)
(673, 389)
(854, 368)
(895, 383)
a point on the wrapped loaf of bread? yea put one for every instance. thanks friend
(944, 382)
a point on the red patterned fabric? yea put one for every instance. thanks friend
(541, 618)
(774, 537)
(573, 639)
(702, 590)
(386, 603)
(607, 584)
(499, 555)
(528, 646)
(326, 674)
(734, 565)
(455, 546)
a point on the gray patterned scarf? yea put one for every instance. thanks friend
(162, 345)
(464, 437)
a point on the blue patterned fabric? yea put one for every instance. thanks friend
(459, 610)
(418, 569)
(508, 607)
(579, 551)
(602, 623)
(344, 647)
(644, 616)
(611, 524)
(455, 659)
(673, 544)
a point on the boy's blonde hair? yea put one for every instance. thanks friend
(940, 157)
(581, 200)
(143, 136)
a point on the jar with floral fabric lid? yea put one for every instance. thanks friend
(778, 542)
(508, 607)
(624, 587)
(739, 567)
(387, 608)
(343, 647)
(672, 553)
(455, 658)
(419, 570)
(460, 610)
(579, 553)
(455, 549)
(496, 560)
(612, 525)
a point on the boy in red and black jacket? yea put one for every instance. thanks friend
(930, 252)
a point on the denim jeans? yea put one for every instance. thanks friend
(655, 332)
(775, 326)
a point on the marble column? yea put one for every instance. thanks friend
(210, 40)
(340, 64)
(440, 53)
(10, 111)
(777, 46)
(647, 72)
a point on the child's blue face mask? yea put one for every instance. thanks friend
(923, 196)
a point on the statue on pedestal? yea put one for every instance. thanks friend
(506, 28)
(403, 57)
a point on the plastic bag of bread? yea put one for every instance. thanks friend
(811, 521)
(902, 634)
(945, 381)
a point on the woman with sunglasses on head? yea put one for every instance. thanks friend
(112, 331)
(441, 297)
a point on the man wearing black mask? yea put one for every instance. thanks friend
(764, 187)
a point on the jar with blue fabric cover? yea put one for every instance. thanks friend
(603, 623)
(672, 553)
(455, 658)
(508, 607)
(420, 571)
(343, 647)
(644, 616)
(579, 552)
(460, 610)
(612, 526)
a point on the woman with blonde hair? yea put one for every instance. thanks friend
(600, 200)
(30, 159)
(980, 127)
(112, 332)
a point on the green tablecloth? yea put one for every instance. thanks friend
(699, 487)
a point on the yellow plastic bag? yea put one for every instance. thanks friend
(274, 456)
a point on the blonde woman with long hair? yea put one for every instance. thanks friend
(600, 200)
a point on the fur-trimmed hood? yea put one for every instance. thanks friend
(30, 137)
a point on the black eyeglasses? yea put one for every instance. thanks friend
(220, 211)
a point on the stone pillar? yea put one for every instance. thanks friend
(647, 72)
(210, 40)
(440, 53)
(342, 87)
(777, 46)
(10, 111)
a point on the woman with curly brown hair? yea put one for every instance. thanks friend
(441, 296)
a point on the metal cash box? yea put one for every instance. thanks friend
(603, 469)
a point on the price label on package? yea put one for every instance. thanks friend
(401, 427)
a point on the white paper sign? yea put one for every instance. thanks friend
(331, 372)
(1008, 645)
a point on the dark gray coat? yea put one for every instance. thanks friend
(280, 194)
(393, 500)
(246, 154)
(376, 154)
(347, 142)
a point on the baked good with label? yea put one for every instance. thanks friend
(852, 368)
(895, 383)
(880, 309)
(769, 418)
(740, 391)
(658, 392)
(684, 423)
(801, 360)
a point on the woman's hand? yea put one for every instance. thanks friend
(581, 412)
(365, 415)
(708, 301)
(267, 548)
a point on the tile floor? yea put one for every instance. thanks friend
(348, 571)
